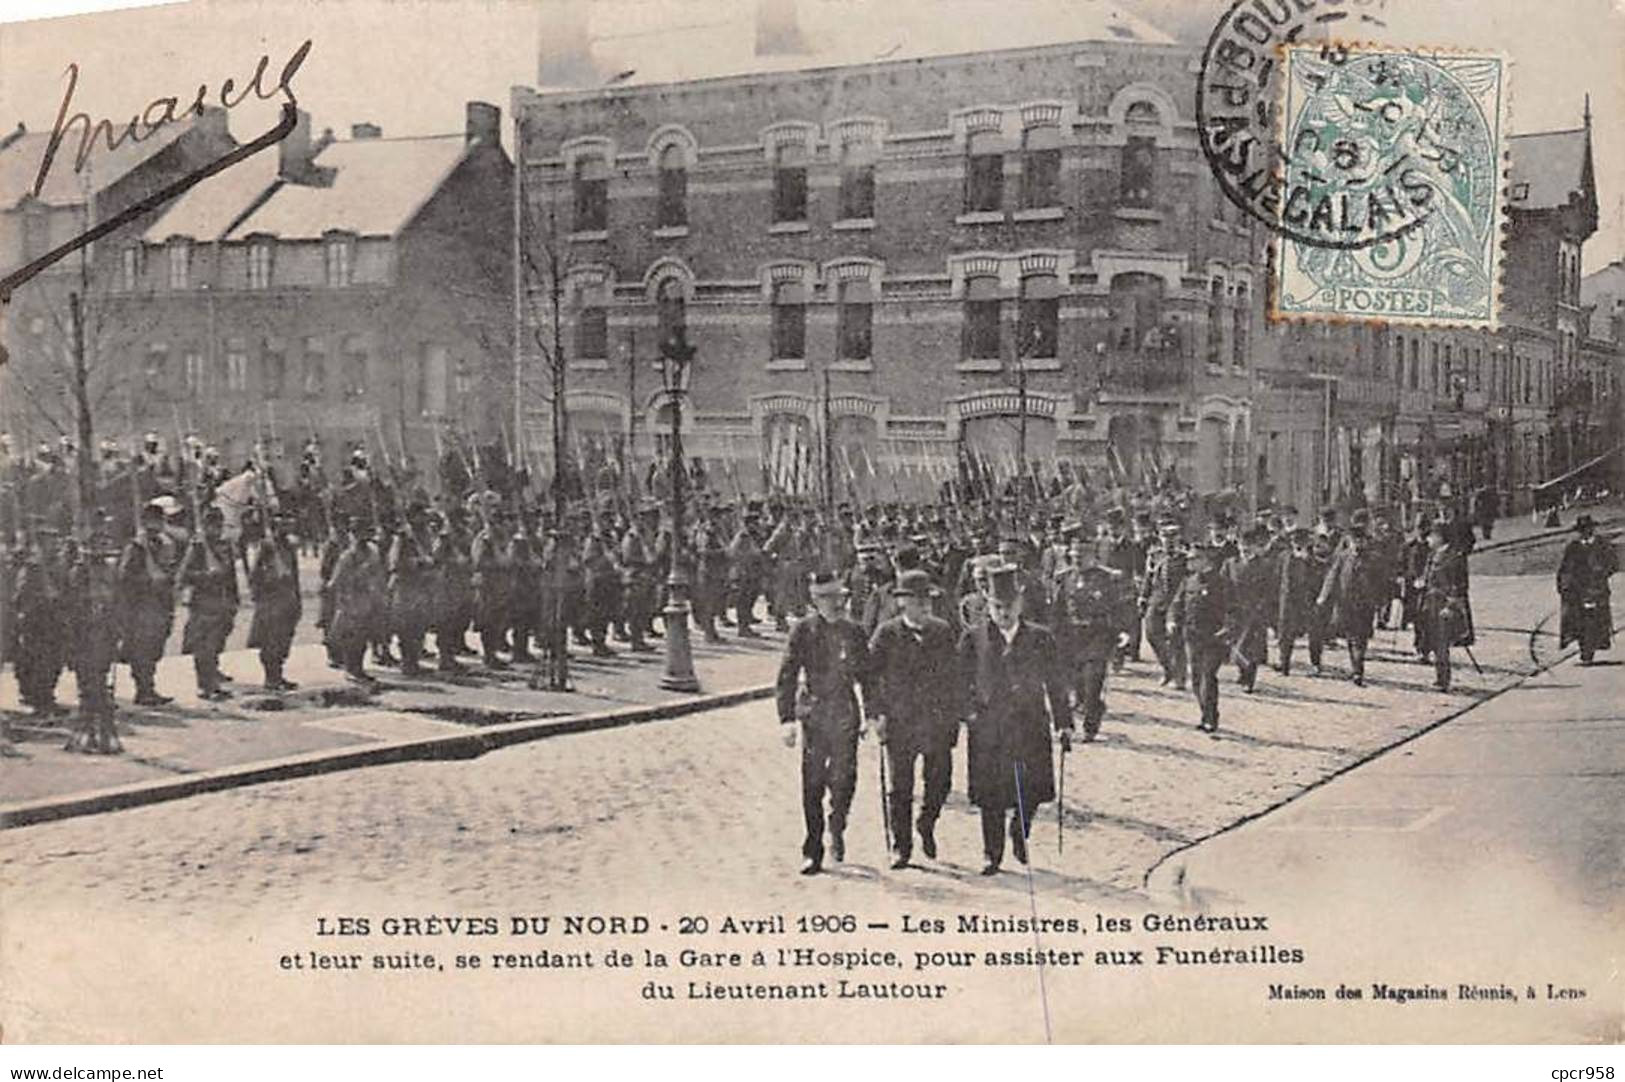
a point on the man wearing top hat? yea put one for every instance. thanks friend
(1014, 694)
(1582, 586)
(208, 570)
(915, 709)
(1350, 594)
(825, 660)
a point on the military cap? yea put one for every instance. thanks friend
(825, 584)
(1169, 528)
(1116, 517)
(1300, 535)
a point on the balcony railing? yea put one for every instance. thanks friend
(1143, 371)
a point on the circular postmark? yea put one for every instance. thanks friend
(1367, 134)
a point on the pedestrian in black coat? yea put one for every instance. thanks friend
(916, 710)
(1204, 611)
(1014, 694)
(1352, 592)
(830, 651)
(273, 583)
(1582, 586)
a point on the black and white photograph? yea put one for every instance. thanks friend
(608, 522)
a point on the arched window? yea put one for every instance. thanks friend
(591, 192)
(1041, 167)
(981, 334)
(672, 207)
(789, 321)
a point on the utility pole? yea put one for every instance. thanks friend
(519, 288)
(631, 455)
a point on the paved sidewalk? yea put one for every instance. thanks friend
(330, 715)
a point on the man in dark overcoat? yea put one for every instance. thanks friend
(412, 584)
(1014, 693)
(828, 648)
(1125, 553)
(1582, 587)
(915, 710)
(1444, 601)
(1351, 594)
(1094, 607)
(1164, 573)
(1204, 612)
(356, 586)
(273, 583)
(1252, 574)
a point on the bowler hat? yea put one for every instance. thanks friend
(914, 584)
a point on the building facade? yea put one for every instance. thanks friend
(945, 243)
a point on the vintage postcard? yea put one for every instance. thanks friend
(812, 521)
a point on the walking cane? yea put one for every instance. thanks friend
(1060, 802)
(1476, 667)
(885, 798)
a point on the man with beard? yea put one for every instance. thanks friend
(915, 711)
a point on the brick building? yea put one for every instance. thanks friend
(909, 228)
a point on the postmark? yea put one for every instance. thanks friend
(1238, 100)
(1391, 168)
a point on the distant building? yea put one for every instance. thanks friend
(818, 203)
(357, 290)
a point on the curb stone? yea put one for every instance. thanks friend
(469, 745)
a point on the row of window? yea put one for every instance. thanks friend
(985, 189)
(1139, 321)
(338, 255)
(271, 376)
(1452, 370)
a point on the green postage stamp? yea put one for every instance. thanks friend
(1391, 206)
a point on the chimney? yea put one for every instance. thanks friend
(293, 153)
(778, 30)
(365, 130)
(483, 124)
(565, 54)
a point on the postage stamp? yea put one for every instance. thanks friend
(1391, 185)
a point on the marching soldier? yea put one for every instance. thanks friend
(356, 586)
(1014, 694)
(412, 588)
(603, 594)
(1093, 602)
(638, 587)
(745, 567)
(273, 583)
(1582, 587)
(828, 649)
(338, 542)
(456, 594)
(915, 712)
(491, 563)
(1203, 612)
(553, 615)
(711, 584)
(1351, 592)
(1444, 601)
(210, 572)
(146, 603)
(524, 606)
(91, 583)
(1252, 574)
(41, 639)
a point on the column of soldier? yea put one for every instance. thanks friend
(1009, 632)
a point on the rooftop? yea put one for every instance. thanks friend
(20, 161)
(1552, 164)
(634, 43)
(376, 186)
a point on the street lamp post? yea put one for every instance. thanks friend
(675, 355)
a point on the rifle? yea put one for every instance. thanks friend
(1060, 802)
